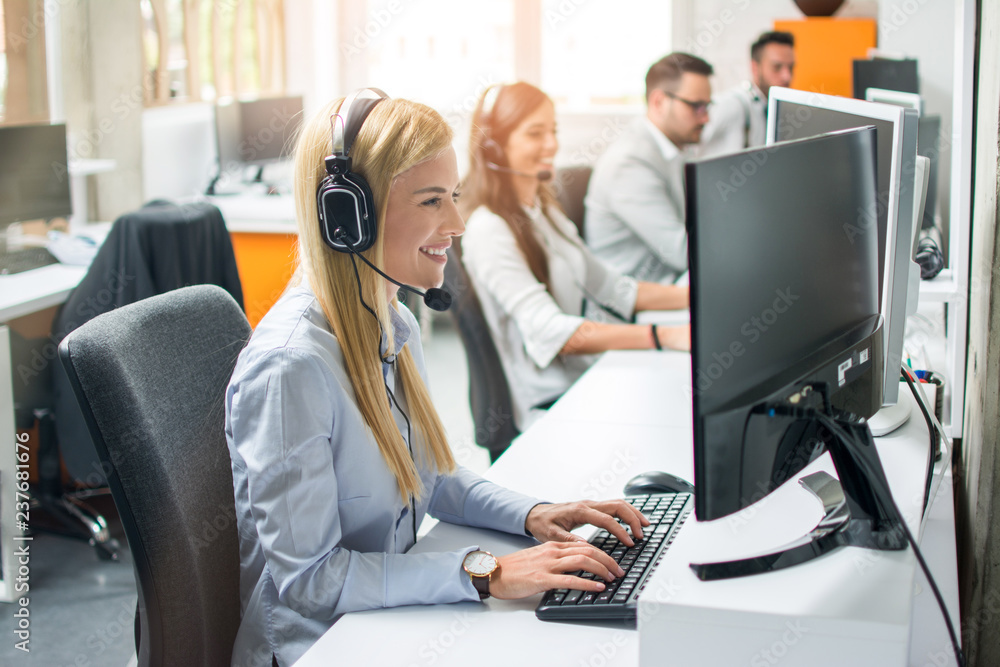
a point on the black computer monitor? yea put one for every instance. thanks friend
(268, 127)
(253, 132)
(785, 337)
(887, 74)
(794, 114)
(34, 173)
(781, 299)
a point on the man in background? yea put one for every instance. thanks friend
(739, 115)
(635, 201)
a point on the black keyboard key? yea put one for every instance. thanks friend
(617, 600)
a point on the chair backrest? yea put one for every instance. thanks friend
(155, 249)
(151, 378)
(489, 393)
(571, 189)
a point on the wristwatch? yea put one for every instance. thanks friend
(481, 565)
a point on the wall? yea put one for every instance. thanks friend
(721, 31)
(977, 493)
(924, 29)
(102, 90)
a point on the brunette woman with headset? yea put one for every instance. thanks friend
(551, 305)
(336, 448)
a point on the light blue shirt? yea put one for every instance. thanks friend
(322, 527)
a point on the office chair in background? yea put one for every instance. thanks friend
(158, 248)
(489, 393)
(570, 185)
(150, 379)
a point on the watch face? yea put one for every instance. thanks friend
(480, 563)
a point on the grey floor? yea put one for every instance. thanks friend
(81, 608)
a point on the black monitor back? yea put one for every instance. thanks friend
(34, 173)
(887, 74)
(781, 295)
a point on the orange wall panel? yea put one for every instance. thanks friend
(266, 263)
(824, 49)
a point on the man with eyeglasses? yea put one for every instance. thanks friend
(739, 115)
(634, 217)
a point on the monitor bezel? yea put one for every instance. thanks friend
(899, 214)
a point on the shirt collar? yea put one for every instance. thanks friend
(666, 146)
(400, 335)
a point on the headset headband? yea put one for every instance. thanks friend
(351, 117)
(490, 99)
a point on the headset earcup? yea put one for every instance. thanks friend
(492, 152)
(346, 202)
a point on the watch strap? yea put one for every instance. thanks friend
(482, 586)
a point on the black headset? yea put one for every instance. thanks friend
(347, 215)
(348, 219)
(491, 149)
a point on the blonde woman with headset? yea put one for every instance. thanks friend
(551, 305)
(337, 450)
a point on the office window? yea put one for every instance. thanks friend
(595, 54)
(23, 79)
(416, 52)
(204, 49)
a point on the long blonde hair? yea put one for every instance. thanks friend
(397, 135)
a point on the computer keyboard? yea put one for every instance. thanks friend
(25, 259)
(666, 513)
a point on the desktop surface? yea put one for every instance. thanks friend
(630, 413)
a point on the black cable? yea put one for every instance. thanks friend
(409, 444)
(392, 397)
(932, 455)
(879, 487)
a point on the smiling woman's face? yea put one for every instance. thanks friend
(420, 220)
(532, 145)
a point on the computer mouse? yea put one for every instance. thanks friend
(656, 481)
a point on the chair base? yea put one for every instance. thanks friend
(78, 519)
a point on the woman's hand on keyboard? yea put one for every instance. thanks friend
(529, 571)
(553, 522)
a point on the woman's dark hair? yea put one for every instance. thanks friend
(508, 108)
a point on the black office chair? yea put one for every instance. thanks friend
(158, 248)
(489, 393)
(150, 379)
(33, 406)
(570, 185)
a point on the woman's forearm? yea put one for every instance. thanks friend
(653, 296)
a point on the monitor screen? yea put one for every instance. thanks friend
(228, 135)
(883, 73)
(34, 174)
(795, 114)
(780, 294)
(267, 128)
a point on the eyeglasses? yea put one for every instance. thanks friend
(696, 107)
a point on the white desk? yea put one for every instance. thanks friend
(21, 294)
(631, 413)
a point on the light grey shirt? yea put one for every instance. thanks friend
(323, 529)
(635, 206)
(737, 120)
(529, 324)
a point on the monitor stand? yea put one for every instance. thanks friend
(854, 514)
(889, 418)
